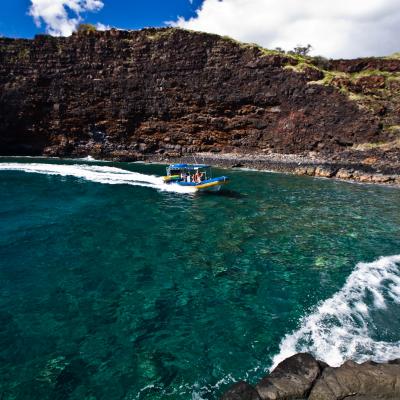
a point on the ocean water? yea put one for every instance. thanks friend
(116, 286)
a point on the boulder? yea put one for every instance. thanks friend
(379, 178)
(369, 83)
(369, 380)
(365, 178)
(310, 171)
(325, 172)
(303, 377)
(344, 174)
(291, 379)
(241, 391)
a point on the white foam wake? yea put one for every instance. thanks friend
(341, 327)
(97, 173)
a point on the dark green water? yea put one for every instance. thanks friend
(115, 291)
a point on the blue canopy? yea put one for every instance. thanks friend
(188, 166)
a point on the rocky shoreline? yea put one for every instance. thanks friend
(314, 166)
(303, 377)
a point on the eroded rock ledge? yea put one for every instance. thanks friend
(303, 377)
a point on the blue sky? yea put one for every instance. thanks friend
(127, 14)
(334, 29)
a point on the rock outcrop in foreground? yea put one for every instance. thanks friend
(303, 377)
(163, 94)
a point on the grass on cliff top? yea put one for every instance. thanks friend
(298, 62)
(331, 75)
(395, 56)
(266, 52)
(393, 144)
(371, 101)
(301, 66)
(158, 33)
(375, 72)
(393, 129)
(316, 62)
(161, 33)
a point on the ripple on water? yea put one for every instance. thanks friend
(115, 289)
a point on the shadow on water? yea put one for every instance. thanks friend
(226, 193)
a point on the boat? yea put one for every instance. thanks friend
(198, 176)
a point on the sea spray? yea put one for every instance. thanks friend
(341, 327)
(97, 173)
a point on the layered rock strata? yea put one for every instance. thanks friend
(302, 377)
(170, 93)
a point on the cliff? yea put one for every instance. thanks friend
(169, 93)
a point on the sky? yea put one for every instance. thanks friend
(335, 29)
(15, 20)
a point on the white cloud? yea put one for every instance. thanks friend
(61, 17)
(340, 28)
(102, 27)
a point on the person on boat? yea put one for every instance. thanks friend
(196, 177)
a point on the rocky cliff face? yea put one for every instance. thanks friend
(172, 92)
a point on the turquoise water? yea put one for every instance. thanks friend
(114, 288)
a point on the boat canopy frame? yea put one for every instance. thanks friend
(175, 169)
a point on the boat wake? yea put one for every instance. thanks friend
(351, 324)
(99, 174)
(347, 325)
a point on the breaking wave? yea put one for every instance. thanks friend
(349, 324)
(99, 174)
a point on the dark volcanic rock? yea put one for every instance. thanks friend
(365, 64)
(171, 92)
(352, 380)
(291, 379)
(241, 391)
(303, 377)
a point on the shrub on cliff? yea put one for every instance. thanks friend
(84, 28)
(321, 62)
(301, 50)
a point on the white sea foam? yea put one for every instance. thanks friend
(341, 327)
(97, 173)
(88, 158)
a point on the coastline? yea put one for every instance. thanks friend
(301, 376)
(258, 109)
(316, 166)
